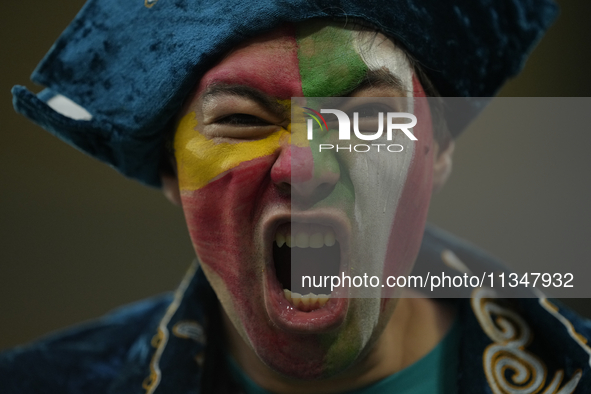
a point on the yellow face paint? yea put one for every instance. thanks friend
(200, 160)
(298, 135)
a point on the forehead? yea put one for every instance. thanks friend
(312, 59)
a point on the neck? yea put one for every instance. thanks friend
(414, 329)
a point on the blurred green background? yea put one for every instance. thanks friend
(77, 239)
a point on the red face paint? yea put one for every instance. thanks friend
(409, 223)
(269, 64)
(228, 216)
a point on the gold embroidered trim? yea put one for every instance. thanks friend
(510, 335)
(553, 310)
(189, 329)
(160, 340)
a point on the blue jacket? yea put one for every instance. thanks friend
(172, 343)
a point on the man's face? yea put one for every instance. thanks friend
(247, 182)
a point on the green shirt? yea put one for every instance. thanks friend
(435, 373)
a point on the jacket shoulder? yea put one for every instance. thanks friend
(84, 358)
(532, 332)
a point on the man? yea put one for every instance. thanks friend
(234, 213)
(239, 175)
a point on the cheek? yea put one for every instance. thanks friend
(221, 219)
(221, 184)
(221, 216)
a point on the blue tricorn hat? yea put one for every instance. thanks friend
(131, 63)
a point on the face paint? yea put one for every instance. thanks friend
(201, 160)
(384, 182)
(328, 61)
(237, 191)
(380, 237)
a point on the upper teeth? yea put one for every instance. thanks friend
(304, 239)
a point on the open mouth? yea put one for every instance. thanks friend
(305, 257)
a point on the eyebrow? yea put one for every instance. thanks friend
(243, 91)
(381, 78)
(378, 79)
(372, 79)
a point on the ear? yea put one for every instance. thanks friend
(170, 188)
(442, 166)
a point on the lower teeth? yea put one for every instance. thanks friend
(308, 302)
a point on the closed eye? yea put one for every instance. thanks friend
(242, 120)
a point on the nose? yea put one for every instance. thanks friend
(309, 176)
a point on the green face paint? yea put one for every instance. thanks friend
(329, 64)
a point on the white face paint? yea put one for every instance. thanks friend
(379, 177)
(380, 53)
